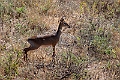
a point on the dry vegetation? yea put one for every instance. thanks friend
(89, 50)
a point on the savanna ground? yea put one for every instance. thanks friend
(88, 50)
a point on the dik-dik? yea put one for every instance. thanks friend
(36, 42)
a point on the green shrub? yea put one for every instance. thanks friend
(44, 8)
(10, 67)
(20, 9)
(101, 44)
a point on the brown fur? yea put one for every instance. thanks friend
(36, 42)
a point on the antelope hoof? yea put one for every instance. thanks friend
(53, 55)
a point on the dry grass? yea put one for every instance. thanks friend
(89, 50)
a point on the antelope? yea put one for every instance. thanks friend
(35, 42)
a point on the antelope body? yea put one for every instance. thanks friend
(36, 42)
